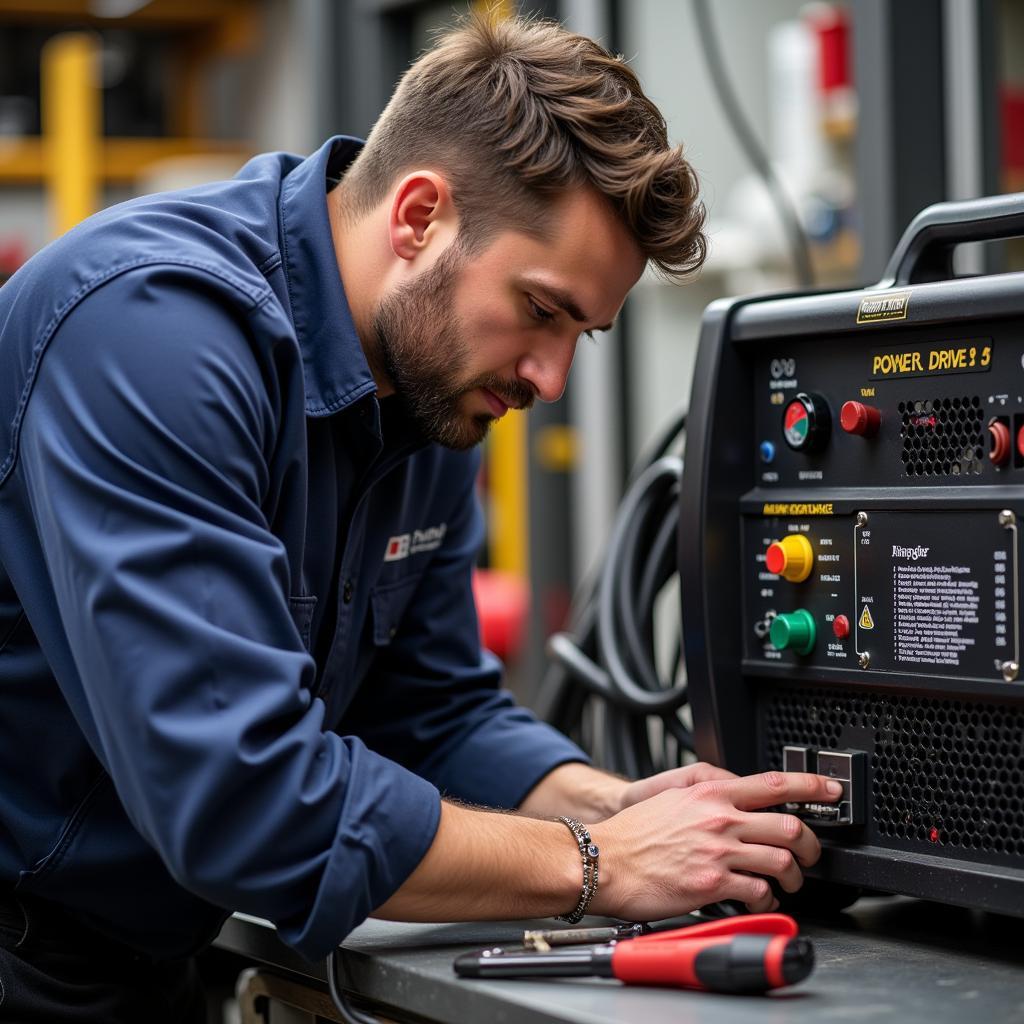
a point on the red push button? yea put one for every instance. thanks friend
(841, 627)
(858, 418)
(999, 433)
(1020, 441)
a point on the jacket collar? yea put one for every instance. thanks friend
(336, 371)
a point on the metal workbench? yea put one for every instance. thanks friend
(884, 960)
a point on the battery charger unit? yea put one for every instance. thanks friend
(849, 547)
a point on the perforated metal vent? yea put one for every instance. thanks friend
(944, 773)
(942, 436)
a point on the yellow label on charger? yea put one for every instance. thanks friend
(973, 355)
(797, 508)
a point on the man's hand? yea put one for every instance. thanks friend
(707, 840)
(674, 778)
(594, 795)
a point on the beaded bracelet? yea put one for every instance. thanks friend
(589, 853)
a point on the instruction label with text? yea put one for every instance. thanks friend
(936, 592)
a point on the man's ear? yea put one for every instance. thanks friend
(422, 215)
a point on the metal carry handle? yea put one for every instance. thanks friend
(925, 252)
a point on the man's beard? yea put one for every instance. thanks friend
(422, 350)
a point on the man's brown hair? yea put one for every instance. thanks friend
(515, 112)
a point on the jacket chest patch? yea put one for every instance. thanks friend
(405, 544)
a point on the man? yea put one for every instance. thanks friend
(240, 662)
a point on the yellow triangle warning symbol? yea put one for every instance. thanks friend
(866, 622)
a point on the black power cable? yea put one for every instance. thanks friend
(349, 1014)
(748, 140)
(604, 686)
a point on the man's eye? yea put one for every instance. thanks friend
(539, 312)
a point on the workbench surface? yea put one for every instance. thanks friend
(883, 960)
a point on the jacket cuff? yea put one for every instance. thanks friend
(379, 843)
(500, 762)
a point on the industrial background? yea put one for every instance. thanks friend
(818, 130)
(861, 113)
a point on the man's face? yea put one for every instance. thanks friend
(473, 336)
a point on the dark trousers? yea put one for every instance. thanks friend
(53, 970)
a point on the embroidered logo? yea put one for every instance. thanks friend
(405, 544)
(398, 547)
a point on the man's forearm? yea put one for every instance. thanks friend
(578, 790)
(475, 868)
(680, 848)
(490, 866)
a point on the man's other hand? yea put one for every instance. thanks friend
(674, 778)
(591, 794)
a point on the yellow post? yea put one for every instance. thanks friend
(507, 476)
(72, 127)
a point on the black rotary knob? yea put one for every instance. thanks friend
(806, 422)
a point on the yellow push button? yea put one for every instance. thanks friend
(792, 558)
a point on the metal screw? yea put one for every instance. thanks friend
(1007, 518)
(865, 657)
(862, 519)
(1010, 670)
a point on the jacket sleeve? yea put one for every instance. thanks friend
(434, 702)
(147, 450)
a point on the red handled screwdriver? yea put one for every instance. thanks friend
(753, 953)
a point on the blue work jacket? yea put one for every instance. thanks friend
(239, 657)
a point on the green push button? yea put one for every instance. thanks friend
(793, 631)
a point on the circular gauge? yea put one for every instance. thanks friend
(806, 422)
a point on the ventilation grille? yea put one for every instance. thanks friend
(944, 773)
(942, 436)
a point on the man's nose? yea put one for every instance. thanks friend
(546, 368)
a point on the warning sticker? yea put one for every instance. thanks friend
(866, 622)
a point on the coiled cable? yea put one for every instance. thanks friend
(604, 687)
